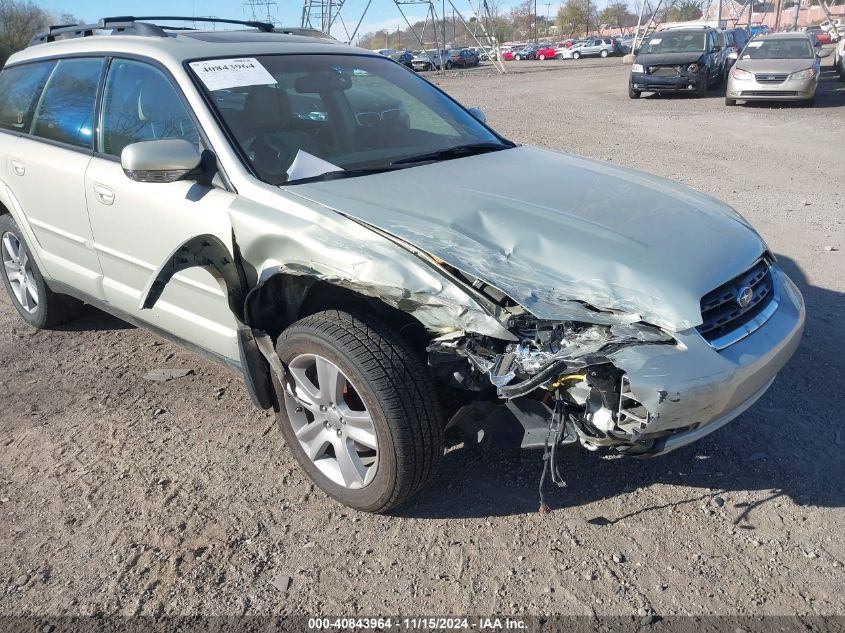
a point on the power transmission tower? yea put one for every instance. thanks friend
(260, 10)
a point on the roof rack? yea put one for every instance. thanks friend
(128, 19)
(128, 24)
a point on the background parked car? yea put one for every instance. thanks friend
(839, 59)
(547, 52)
(430, 60)
(759, 29)
(592, 47)
(526, 52)
(463, 58)
(404, 58)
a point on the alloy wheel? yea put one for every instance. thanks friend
(18, 271)
(331, 422)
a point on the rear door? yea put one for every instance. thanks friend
(137, 226)
(47, 169)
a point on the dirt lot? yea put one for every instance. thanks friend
(122, 495)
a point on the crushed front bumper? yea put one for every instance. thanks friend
(691, 389)
(644, 82)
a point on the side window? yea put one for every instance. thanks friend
(65, 111)
(20, 87)
(140, 104)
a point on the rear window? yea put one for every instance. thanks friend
(20, 87)
(65, 112)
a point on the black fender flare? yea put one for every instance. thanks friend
(257, 354)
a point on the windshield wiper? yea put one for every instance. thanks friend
(341, 173)
(459, 151)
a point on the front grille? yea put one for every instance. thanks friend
(769, 78)
(664, 71)
(721, 311)
(768, 93)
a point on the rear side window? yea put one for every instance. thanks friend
(140, 104)
(20, 87)
(65, 112)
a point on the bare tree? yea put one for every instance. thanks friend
(19, 21)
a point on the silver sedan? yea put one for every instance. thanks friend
(775, 67)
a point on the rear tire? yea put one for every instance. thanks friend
(603, 53)
(542, 57)
(389, 382)
(517, 57)
(39, 306)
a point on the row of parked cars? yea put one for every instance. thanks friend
(431, 59)
(766, 67)
(569, 49)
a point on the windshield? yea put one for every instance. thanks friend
(676, 42)
(299, 116)
(793, 48)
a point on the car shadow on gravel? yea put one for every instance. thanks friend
(789, 444)
(92, 319)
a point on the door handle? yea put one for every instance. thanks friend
(104, 194)
(18, 167)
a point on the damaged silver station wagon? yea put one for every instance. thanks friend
(371, 256)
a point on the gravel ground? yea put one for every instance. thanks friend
(119, 495)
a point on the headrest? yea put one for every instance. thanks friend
(267, 107)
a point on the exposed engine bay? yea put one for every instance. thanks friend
(558, 374)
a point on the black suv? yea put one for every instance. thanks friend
(677, 60)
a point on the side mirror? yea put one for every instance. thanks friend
(823, 53)
(478, 114)
(636, 51)
(165, 160)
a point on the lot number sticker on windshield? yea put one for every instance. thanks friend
(754, 44)
(655, 40)
(220, 74)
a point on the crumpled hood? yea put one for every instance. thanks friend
(556, 231)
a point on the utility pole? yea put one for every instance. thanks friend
(588, 19)
(797, 11)
(719, 16)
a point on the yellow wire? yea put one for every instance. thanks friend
(557, 383)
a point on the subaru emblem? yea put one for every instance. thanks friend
(744, 296)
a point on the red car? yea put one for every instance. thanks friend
(507, 56)
(823, 38)
(546, 53)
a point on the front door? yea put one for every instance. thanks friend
(137, 226)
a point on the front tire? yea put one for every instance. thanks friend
(517, 57)
(542, 57)
(730, 102)
(576, 55)
(365, 423)
(39, 306)
(633, 94)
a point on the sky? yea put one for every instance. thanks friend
(382, 13)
